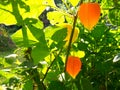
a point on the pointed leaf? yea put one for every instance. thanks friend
(73, 66)
(74, 2)
(89, 14)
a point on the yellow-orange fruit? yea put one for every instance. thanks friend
(89, 14)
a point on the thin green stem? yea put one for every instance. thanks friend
(65, 4)
(6, 10)
(51, 65)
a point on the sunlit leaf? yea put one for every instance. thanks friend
(69, 30)
(48, 3)
(26, 8)
(73, 66)
(6, 15)
(50, 30)
(36, 9)
(107, 3)
(36, 31)
(55, 17)
(18, 38)
(79, 54)
(74, 2)
(89, 14)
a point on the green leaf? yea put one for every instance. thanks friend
(27, 9)
(49, 3)
(52, 76)
(39, 52)
(86, 85)
(35, 26)
(56, 85)
(55, 17)
(82, 46)
(98, 31)
(6, 15)
(107, 4)
(114, 16)
(59, 35)
(18, 38)
(36, 8)
(28, 85)
(50, 30)
(74, 2)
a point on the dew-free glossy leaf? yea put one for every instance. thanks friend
(89, 14)
(73, 66)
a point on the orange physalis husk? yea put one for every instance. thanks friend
(89, 14)
(73, 66)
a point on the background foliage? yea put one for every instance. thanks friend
(37, 61)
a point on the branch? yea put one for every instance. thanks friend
(51, 65)
(6, 10)
(70, 40)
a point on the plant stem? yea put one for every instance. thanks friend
(70, 40)
(51, 65)
(71, 36)
(38, 85)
